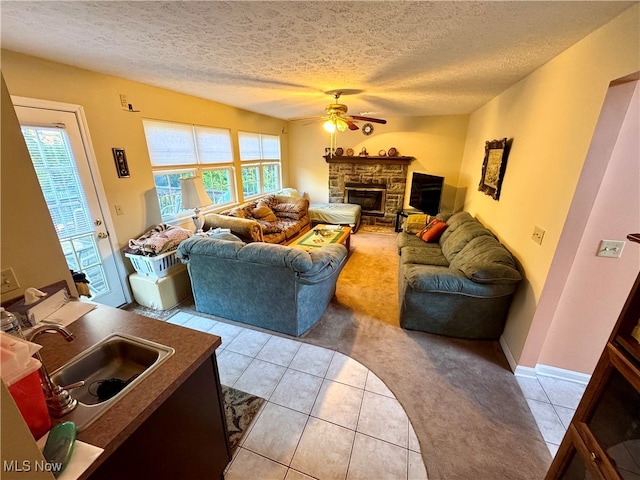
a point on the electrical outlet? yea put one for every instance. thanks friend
(537, 235)
(8, 280)
(123, 102)
(610, 248)
(119, 209)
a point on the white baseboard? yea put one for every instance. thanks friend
(508, 354)
(542, 370)
(562, 374)
(526, 372)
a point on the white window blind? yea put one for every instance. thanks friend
(170, 143)
(214, 145)
(270, 147)
(256, 146)
(173, 144)
(249, 146)
(59, 180)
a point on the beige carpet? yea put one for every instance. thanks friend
(461, 397)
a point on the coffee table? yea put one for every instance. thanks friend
(313, 239)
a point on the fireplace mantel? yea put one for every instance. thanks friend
(370, 160)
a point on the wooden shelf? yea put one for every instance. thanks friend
(369, 160)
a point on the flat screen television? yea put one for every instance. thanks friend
(426, 192)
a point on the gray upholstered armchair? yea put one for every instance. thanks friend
(276, 287)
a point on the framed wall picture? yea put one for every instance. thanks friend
(494, 166)
(122, 167)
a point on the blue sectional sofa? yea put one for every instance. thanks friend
(280, 288)
(461, 285)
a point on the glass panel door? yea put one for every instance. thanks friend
(58, 153)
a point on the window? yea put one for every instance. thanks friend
(179, 150)
(260, 157)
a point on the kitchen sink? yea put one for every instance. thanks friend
(109, 369)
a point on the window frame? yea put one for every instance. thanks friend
(194, 169)
(261, 162)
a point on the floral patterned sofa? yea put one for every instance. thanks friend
(270, 219)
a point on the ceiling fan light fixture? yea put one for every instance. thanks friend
(341, 125)
(329, 126)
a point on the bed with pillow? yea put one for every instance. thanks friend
(455, 278)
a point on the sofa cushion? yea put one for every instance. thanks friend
(454, 221)
(426, 254)
(461, 237)
(264, 213)
(431, 233)
(276, 237)
(431, 278)
(485, 260)
(287, 207)
(198, 245)
(236, 212)
(405, 239)
(276, 255)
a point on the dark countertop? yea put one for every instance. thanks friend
(118, 422)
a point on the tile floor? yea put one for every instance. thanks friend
(326, 415)
(552, 402)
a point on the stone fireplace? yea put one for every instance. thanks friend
(367, 180)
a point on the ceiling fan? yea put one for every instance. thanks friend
(336, 117)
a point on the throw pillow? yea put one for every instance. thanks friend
(264, 213)
(416, 222)
(433, 230)
(236, 212)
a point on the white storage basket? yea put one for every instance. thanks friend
(157, 266)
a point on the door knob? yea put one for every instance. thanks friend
(97, 222)
(102, 235)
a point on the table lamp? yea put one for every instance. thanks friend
(194, 196)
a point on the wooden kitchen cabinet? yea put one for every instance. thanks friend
(603, 440)
(185, 438)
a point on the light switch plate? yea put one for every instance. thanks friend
(537, 235)
(610, 248)
(8, 281)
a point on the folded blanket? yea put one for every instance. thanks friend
(159, 239)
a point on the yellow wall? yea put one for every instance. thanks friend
(437, 143)
(550, 115)
(29, 243)
(110, 126)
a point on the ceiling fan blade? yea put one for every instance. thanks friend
(352, 126)
(308, 117)
(368, 119)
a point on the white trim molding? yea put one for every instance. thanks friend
(562, 374)
(542, 370)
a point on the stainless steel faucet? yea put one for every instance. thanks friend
(59, 401)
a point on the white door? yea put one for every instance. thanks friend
(59, 155)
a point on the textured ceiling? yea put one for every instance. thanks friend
(277, 58)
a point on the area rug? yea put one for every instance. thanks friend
(240, 409)
(376, 229)
(151, 312)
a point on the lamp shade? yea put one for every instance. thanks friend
(193, 193)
